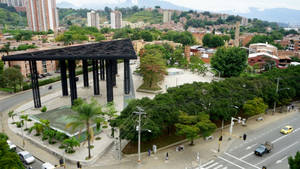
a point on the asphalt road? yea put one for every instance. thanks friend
(240, 154)
(37, 163)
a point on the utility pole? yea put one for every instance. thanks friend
(276, 93)
(139, 112)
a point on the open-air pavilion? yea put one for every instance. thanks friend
(104, 56)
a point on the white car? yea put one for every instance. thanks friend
(26, 157)
(48, 165)
(11, 145)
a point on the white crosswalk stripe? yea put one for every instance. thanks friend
(214, 164)
(208, 163)
(219, 166)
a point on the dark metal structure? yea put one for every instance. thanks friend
(104, 53)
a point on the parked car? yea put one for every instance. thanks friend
(11, 145)
(47, 165)
(26, 157)
(263, 148)
(286, 130)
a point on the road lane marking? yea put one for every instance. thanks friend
(249, 147)
(206, 164)
(219, 166)
(280, 161)
(245, 156)
(225, 167)
(214, 164)
(285, 135)
(230, 162)
(278, 152)
(241, 160)
(274, 141)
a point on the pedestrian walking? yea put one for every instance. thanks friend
(149, 152)
(167, 156)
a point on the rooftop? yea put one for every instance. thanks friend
(117, 49)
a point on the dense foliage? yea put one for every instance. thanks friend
(214, 41)
(295, 162)
(9, 17)
(8, 158)
(79, 34)
(229, 61)
(220, 100)
(185, 38)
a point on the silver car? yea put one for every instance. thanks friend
(26, 157)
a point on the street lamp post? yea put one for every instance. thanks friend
(239, 120)
(277, 90)
(139, 112)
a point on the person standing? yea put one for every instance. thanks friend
(167, 156)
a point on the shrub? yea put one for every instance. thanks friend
(44, 109)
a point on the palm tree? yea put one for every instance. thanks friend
(25, 118)
(12, 114)
(86, 115)
(70, 143)
(37, 127)
(111, 112)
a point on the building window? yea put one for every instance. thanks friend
(44, 64)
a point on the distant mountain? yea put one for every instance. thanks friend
(127, 3)
(282, 15)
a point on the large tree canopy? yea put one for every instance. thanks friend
(229, 61)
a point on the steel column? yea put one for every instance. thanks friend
(35, 84)
(96, 77)
(63, 75)
(72, 79)
(109, 82)
(126, 76)
(102, 68)
(114, 73)
(85, 73)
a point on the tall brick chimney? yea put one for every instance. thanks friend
(187, 53)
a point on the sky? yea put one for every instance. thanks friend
(241, 6)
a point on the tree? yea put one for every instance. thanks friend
(25, 118)
(86, 115)
(111, 112)
(191, 126)
(38, 127)
(229, 61)
(3, 136)
(13, 78)
(295, 162)
(70, 143)
(152, 68)
(12, 114)
(6, 48)
(8, 159)
(213, 41)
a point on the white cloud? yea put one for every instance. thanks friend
(213, 5)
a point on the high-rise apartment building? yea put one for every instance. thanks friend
(93, 19)
(42, 15)
(116, 19)
(167, 16)
(14, 3)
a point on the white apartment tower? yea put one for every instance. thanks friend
(42, 15)
(167, 16)
(14, 3)
(116, 20)
(93, 19)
